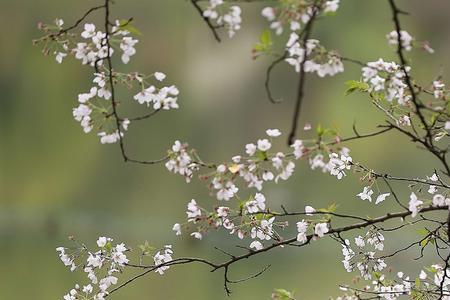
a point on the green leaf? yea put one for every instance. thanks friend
(417, 282)
(261, 155)
(422, 231)
(431, 269)
(265, 42)
(354, 85)
(128, 26)
(330, 209)
(320, 130)
(266, 38)
(282, 294)
(424, 242)
(146, 248)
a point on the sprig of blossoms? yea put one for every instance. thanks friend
(319, 60)
(367, 193)
(295, 14)
(230, 19)
(429, 281)
(93, 47)
(405, 37)
(387, 80)
(363, 257)
(100, 267)
(180, 161)
(103, 266)
(439, 91)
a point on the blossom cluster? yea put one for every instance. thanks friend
(318, 59)
(310, 54)
(320, 229)
(387, 79)
(431, 279)
(258, 166)
(230, 19)
(363, 257)
(439, 197)
(96, 110)
(405, 37)
(338, 163)
(296, 14)
(103, 266)
(180, 161)
(367, 193)
(251, 219)
(439, 91)
(159, 98)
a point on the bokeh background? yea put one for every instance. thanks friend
(56, 181)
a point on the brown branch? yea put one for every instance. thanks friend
(302, 76)
(207, 20)
(427, 141)
(111, 80)
(114, 102)
(78, 22)
(268, 75)
(288, 242)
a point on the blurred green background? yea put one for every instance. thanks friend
(56, 181)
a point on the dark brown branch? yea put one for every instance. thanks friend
(302, 80)
(207, 20)
(268, 75)
(288, 242)
(111, 80)
(427, 141)
(394, 194)
(403, 63)
(405, 179)
(78, 22)
(114, 102)
(151, 114)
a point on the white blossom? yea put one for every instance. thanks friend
(320, 229)
(302, 228)
(366, 194)
(193, 210)
(309, 210)
(102, 241)
(264, 145)
(160, 76)
(438, 89)
(222, 211)
(268, 13)
(197, 235)
(162, 257)
(405, 38)
(414, 205)
(256, 245)
(338, 165)
(298, 148)
(109, 138)
(177, 228)
(331, 6)
(127, 46)
(250, 149)
(89, 31)
(273, 132)
(382, 197)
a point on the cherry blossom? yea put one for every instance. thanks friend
(405, 37)
(320, 229)
(366, 194)
(414, 205)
